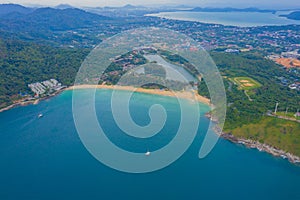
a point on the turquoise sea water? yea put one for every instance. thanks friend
(242, 19)
(45, 159)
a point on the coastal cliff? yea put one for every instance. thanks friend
(261, 147)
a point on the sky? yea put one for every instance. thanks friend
(278, 4)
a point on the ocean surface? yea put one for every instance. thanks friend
(241, 19)
(45, 159)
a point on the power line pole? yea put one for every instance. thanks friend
(276, 108)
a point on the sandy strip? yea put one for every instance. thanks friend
(183, 94)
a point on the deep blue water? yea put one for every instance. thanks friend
(45, 159)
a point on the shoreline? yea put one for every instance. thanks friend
(252, 144)
(179, 94)
(183, 95)
(30, 101)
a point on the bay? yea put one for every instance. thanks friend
(241, 19)
(45, 159)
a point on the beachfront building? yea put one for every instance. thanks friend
(45, 87)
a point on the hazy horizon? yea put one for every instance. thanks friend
(267, 4)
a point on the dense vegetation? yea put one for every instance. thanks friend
(247, 118)
(22, 63)
(66, 27)
(240, 109)
(280, 133)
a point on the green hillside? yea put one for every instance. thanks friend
(22, 63)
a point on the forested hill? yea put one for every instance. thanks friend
(59, 27)
(22, 63)
(50, 18)
(293, 15)
(6, 9)
(249, 106)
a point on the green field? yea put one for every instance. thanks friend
(280, 133)
(245, 83)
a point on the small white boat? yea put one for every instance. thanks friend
(148, 153)
(40, 115)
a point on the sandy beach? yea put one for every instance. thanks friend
(178, 94)
(181, 94)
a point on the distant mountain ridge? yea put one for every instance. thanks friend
(6, 9)
(126, 7)
(229, 9)
(63, 6)
(49, 18)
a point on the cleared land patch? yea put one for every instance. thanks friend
(245, 83)
(288, 62)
